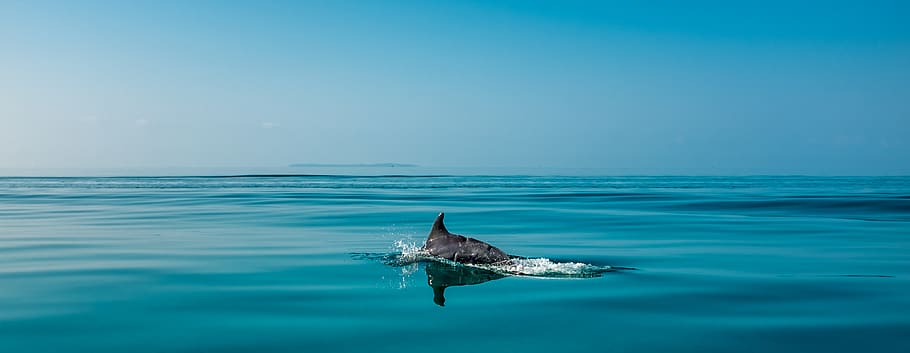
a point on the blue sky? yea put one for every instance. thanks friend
(769, 87)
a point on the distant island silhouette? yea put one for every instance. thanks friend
(354, 165)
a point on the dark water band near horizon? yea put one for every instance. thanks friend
(320, 263)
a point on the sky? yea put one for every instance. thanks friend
(656, 87)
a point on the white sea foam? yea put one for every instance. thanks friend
(543, 267)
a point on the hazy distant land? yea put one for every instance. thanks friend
(353, 165)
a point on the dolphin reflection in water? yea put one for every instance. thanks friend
(442, 275)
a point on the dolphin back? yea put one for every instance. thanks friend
(458, 248)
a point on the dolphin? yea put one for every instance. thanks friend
(461, 249)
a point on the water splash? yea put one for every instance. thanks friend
(409, 252)
(402, 253)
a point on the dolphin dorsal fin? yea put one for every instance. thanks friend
(438, 227)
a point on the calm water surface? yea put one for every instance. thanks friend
(300, 264)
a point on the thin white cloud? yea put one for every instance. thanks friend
(141, 122)
(269, 125)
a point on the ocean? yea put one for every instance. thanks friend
(323, 263)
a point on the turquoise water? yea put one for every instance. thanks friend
(323, 263)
